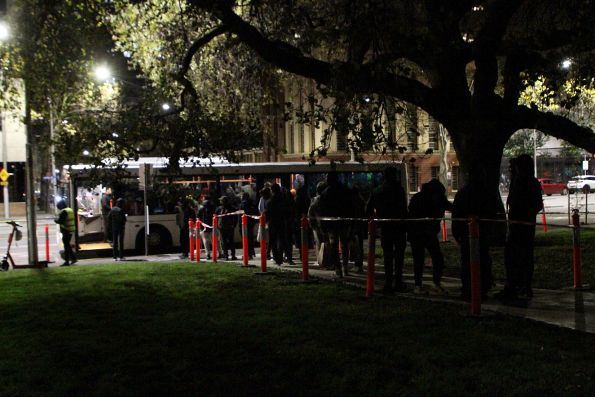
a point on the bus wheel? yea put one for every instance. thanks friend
(159, 239)
(4, 265)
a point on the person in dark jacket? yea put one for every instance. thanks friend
(524, 203)
(67, 224)
(390, 202)
(335, 203)
(227, 225)
(117, 225)
(301, 206)
(430, 202)
(183, 215)
(277, 215)
(249, 208)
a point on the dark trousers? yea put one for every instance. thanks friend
(251, 240)
(485, 267)
(419, 244)
(184, 240)
(68, 252)
(118, 243)
(518, 256)
(393, 244)
(278, 241)
(228, 242)
(340, 236)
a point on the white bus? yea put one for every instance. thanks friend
(195, 178)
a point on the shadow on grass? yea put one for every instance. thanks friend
(179, 330)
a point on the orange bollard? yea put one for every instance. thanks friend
(474, 259)
(197, 234)
(370, 282)
(576, 250)
(47, 243)
(444, 238)
(245, 240)
(191, 239)
(263, 243)
(544, 221)
(304, 248)
(215, 239)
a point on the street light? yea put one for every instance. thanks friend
(567, 63)
(102, 73)
(166, 106)
(4, 31)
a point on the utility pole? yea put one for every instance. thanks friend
(5, 166)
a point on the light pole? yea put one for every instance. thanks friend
(4, 35)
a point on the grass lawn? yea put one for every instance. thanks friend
(553, 259)
(151, 329)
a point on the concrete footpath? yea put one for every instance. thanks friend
(565, 308)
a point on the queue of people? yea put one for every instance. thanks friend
(337, 216)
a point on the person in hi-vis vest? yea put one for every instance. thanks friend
(67, 227)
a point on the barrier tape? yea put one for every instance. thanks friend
(405, 220)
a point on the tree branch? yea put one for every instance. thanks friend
(192, 50)
(556, 126)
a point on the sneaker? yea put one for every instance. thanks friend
(73, 262)
(65, 264)
(419, 290)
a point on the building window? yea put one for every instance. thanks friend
(455, 178)
(290, 140)
(413, 178)
(435, 172)
(301, 137)
(433, 134)
(341, 141)
(412, 140)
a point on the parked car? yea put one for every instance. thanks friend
(549, 187)
(581, 183)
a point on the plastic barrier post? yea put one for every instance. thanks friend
(47, 243)
(215, 239)
(371, 258)
(304, 248)
(245, 240)
(191, 239)
(444, 239)
(263, 243)
(576, 250)
(474, 266)
(197, 235)
(544, 221)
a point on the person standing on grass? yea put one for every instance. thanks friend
(205, 215)
(227, 225)
(117, 224)
(389, 201)
(430, 202)
(335, 203)
(67, 227)
(313, 215)
(277, 216)
(249, 208)
(183, 215)
(524, 203)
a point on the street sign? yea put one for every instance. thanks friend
(144, 176)
(585, 165)
(4, 175)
